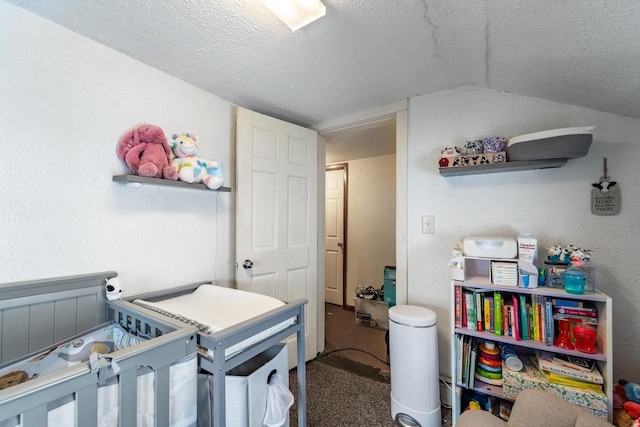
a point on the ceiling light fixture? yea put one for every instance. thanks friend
(296, 13)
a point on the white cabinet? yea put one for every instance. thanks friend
(477, 276)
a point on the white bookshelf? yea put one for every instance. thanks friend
(476, 276)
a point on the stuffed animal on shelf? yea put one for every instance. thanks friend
(145, 150)
(191, 167)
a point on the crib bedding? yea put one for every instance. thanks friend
(146, 374)
(213, 308)
(102, 340)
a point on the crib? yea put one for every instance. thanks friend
(215, 359)
(36, 315)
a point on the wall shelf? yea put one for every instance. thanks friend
(503, 167)
(141, 180)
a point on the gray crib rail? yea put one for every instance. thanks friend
(38, 313)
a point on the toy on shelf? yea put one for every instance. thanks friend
(558, 254)
(145, 151)
(191, 167)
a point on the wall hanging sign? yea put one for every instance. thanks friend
(605, 196)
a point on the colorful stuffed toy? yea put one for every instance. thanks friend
(145, 150)
(190, 166)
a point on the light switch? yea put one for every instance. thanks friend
(429, 224)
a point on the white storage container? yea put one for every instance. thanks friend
(415, 380)
(246, 389)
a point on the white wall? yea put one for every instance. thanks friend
(371, 221)
(64, 102)
(554, 204)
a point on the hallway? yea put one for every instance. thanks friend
(357, 342)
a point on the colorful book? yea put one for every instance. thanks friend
(587, 312)
(464, 311)
(472, 373)
(530, 321)
(505, 319)
(516, 318)
(459, 359)
(536, 319)
(479, 311)
(550, 327)
(545, 362)
(491, 315)
(567, 302)
(458, 308)
(471, 311)
(524, 330)
(579, 319)
(487, 313)
(575, 362)
(567, 381)
(541, 321)
(497, 312)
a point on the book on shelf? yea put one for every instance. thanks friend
(545, 362)
(567, 302)
(497, 313)
(568, 381)
(458, 306)
(459, 358)
(585, 311)
(479, 310)
(536, 317)
(464, 309)
(549, 327)
(516, 317)
(472, 369)
(577, 319)
(471, 310)
(575, 362)
(487, 304)
(524, 328)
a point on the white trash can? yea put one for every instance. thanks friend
(413, 353)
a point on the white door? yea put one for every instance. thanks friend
(334, 235)
(276, 213)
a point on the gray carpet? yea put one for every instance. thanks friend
(343, 396)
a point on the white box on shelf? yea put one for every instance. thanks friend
(490, 247)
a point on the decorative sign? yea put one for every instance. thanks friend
(605, 196)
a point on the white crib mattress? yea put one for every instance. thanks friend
(214, 308)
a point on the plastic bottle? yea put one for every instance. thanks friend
(574, 280)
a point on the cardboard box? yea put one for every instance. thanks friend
(372, 313)
(530, 377)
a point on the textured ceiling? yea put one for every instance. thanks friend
(366, 53)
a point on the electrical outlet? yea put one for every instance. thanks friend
(429, 224)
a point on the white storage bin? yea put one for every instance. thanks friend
(246, 389)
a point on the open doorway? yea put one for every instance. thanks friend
(360, 240)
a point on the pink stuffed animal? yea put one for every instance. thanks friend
(145, 150)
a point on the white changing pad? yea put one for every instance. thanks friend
(215, 308)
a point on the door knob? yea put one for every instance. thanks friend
(247, 263)
(340, 244)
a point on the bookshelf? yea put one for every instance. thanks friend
(476, 277)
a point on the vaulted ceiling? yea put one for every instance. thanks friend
(367, 53)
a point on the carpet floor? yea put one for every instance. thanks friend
(341, 392)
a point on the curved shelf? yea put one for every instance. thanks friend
(503, 167)
(141, 180)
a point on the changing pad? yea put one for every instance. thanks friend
(213, 308)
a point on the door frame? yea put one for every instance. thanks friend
(399, 110)
(345, 215)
